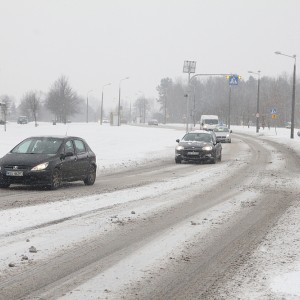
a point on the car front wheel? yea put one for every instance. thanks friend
(178, 160)
(55, 180)
(91, 177)
(214, 159)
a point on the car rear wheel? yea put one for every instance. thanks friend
(55, 180)
(4, 185)
(91, 177)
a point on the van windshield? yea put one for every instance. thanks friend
(211, 121)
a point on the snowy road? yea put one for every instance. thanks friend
(165, 231)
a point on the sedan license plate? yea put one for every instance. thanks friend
(193, 153)
(14, 173)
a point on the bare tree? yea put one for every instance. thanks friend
(62, 100)
(142, 106)
(7, 100)
(166, 85)
(31, 103)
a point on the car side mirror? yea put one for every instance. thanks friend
(64, 155)
(177, 141)
(230, 131)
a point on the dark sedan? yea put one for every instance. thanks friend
(48, 161)
(198, 145)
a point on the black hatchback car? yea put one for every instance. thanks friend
(198, 145)
(48, 161)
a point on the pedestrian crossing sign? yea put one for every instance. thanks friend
(233, 80)
(273, 111)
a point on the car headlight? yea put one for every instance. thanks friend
(178, 148)
(207, 148)
(40, 167)
(227, 135)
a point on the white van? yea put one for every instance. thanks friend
(209, 122)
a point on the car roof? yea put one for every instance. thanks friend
(56, 137)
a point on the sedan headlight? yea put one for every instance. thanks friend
(207, 148)
(178, 148)
(227, 135)
(40, 167)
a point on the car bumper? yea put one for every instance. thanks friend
(223, 139)
(201, 156)
(28, 178)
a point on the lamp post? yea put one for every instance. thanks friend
(87, 105)
(294, 92)
(101, 112)
(119, 106)
(257, 103)
(188, 67)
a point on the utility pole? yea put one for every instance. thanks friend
(4, 109)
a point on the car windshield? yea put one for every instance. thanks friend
(211, 121)
(22, 118)
(197, 137)
(222, 129)
(41, 145)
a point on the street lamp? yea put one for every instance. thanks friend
(294, 92)
(87, 106)
(119, 106)
(188, 67)
(257, 104)
(101, 112)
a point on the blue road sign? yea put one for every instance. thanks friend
(233, 80)
(273, 111)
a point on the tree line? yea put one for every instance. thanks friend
(59, 103)
(211, 95)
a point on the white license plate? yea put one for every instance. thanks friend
(14, 173)
(193, 153)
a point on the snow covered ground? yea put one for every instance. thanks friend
(115, 147)
(275, 264)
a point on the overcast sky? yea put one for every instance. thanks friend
(96, 42)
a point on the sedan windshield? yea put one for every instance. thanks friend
(197, 137)
(222, 129)
(39, 145)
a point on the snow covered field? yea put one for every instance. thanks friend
(275, 264)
